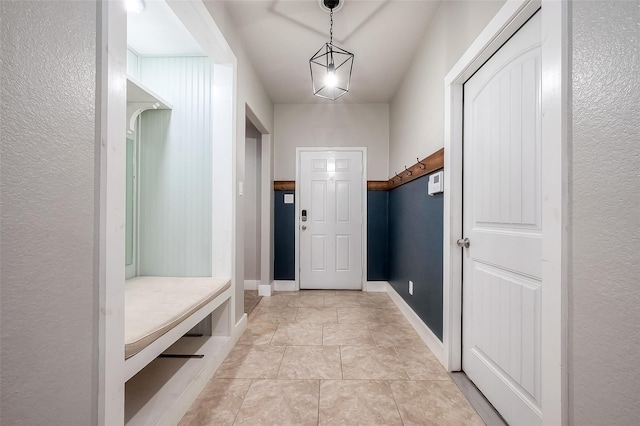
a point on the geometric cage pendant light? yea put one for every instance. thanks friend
(331, 66)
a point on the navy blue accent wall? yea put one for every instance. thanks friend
(377, 235)
(284, 230)
(415, 249)
(404, 242)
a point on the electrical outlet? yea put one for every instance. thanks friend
(411, 288)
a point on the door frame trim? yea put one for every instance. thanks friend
(299, 151)
(554, 140)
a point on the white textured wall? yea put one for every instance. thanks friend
(175, 187)
(48, 232)
(417, 109)
(250, 92)
(331, 125)
(604, 293)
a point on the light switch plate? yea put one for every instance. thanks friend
(288, 198)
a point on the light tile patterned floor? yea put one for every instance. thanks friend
(330, 357)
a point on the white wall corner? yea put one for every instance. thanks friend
(265, 290)
(375, 286)
(433, 343)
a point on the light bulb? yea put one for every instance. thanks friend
(134, 6)
(331, 79)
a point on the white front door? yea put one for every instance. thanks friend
(502, 267)
(331, 219)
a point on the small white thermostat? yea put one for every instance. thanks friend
(288, 198)
(436, 183)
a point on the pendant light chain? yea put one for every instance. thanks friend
(331, 40)
(331, 28)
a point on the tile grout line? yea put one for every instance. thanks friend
(281, 361)
(274, 334)
(341, 367)
(319, 387)
(404, 367)
(243, 398)
(395, 402)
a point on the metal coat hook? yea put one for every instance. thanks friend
(409, 172)
(422, 165)
(399, 177)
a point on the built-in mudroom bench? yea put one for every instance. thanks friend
(176, 330)
(168, 300)
(178, 299)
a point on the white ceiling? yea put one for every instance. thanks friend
(281, 35)
(158, 31)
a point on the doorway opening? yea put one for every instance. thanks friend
(252, 214)
(502, 230)
(549, 306)
(331, 218)
(257, 194)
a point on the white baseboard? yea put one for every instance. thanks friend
(285, 286)
(251, 284)
(265, 290)
(375, 286)
(370, 286)
(184, 401)
(433, 343)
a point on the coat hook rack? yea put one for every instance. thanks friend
(422, 165)
(399, 177)
(409, 172)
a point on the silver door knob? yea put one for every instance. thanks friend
(463, 242)
(304, 227)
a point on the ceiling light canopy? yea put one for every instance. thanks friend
(331, 65)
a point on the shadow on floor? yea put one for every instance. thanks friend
(251, 300)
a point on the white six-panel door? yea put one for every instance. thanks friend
(502, 267)
(331, 193)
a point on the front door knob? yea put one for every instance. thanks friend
(463, 242)
(304, 227)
